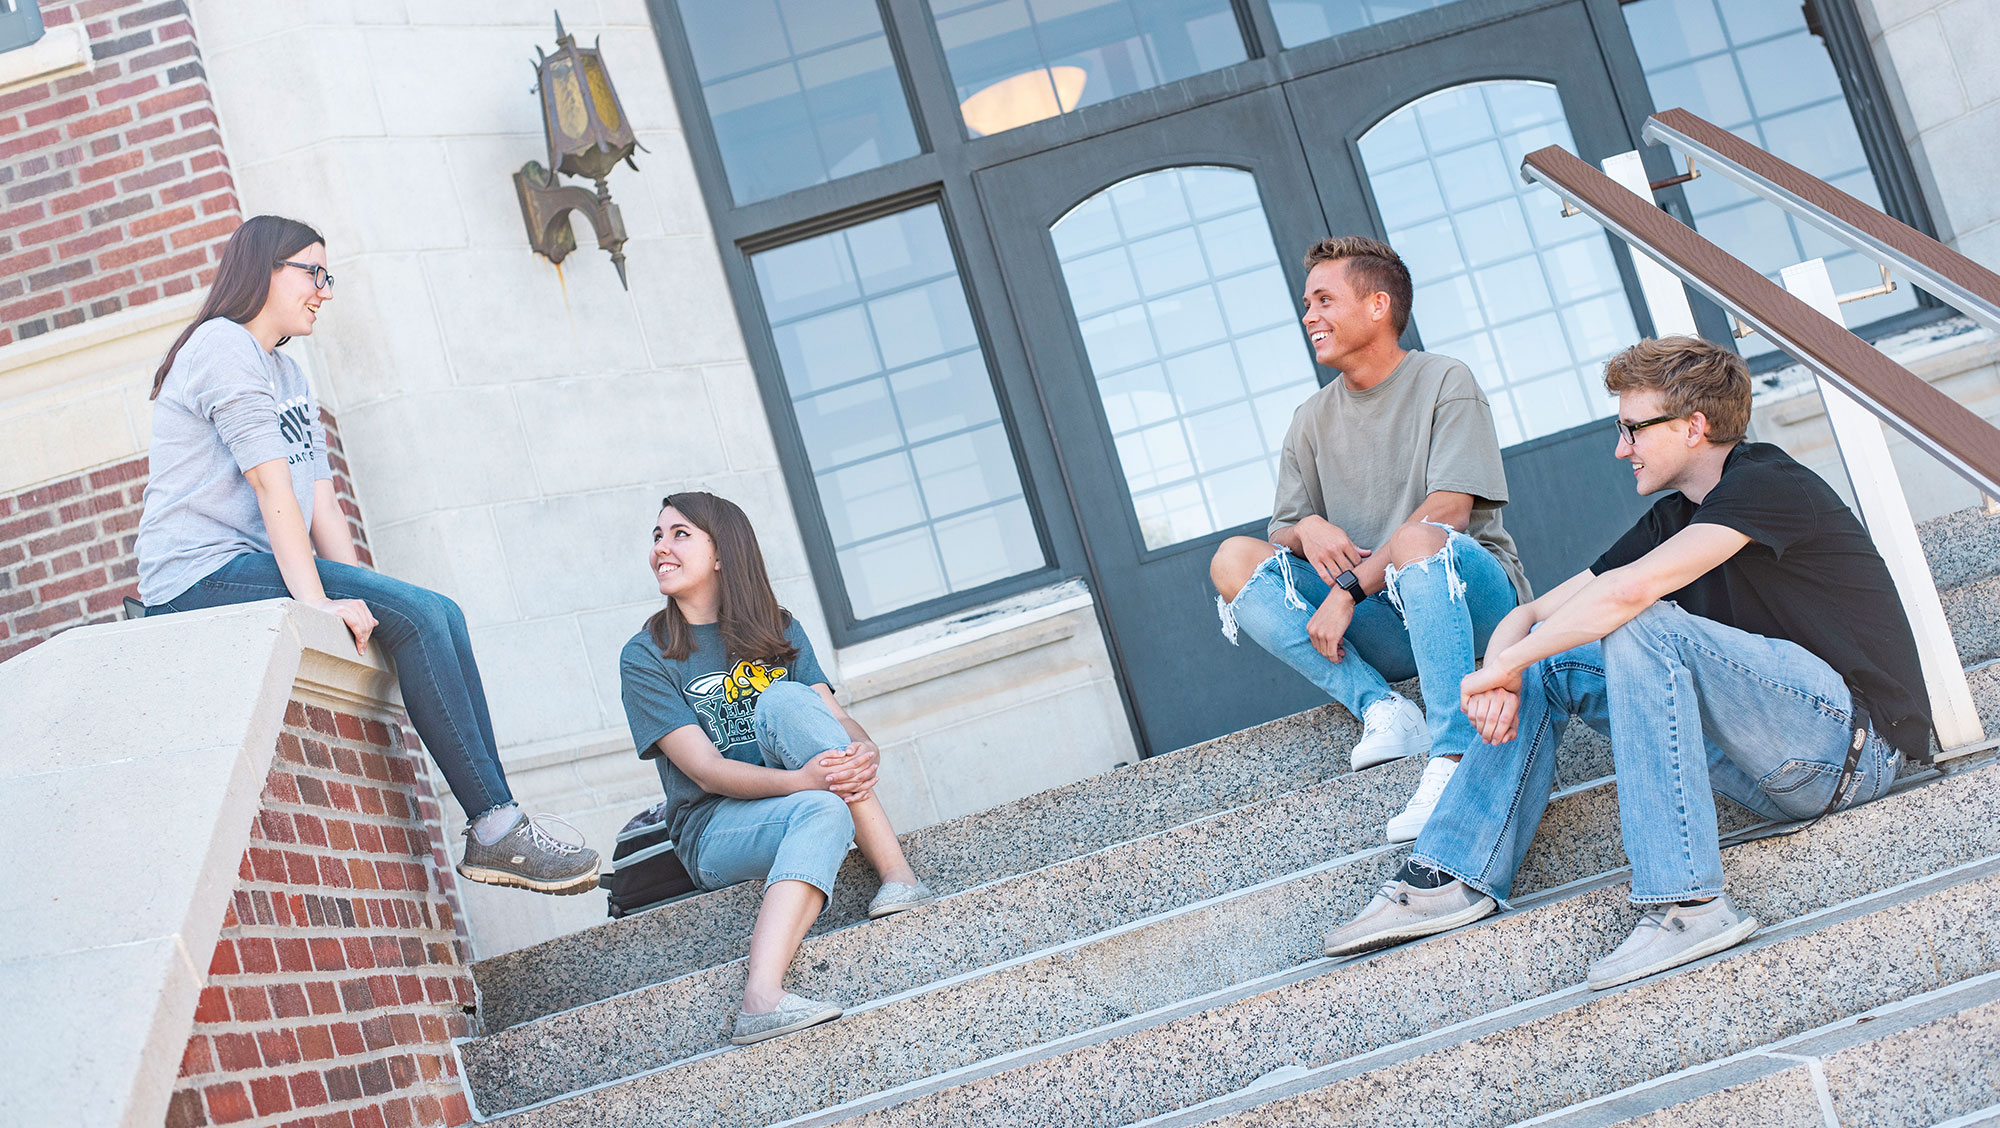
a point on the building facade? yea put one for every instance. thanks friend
(983, 309)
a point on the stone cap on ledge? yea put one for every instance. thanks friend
(133, 757)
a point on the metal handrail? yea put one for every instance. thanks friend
(1951, 277)
(1930, 419)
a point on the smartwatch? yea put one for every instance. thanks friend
(1349, 583)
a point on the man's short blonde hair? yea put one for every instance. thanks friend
(1694, 375)
(1372, 267)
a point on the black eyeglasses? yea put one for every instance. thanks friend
(1628, 431)
(322, 277)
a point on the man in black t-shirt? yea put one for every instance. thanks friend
(1743, 638)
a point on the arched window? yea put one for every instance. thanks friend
(1531, 301)
(1193, 342)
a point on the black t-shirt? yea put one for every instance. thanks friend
(1809, 575)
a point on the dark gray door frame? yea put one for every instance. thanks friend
(1144, 597)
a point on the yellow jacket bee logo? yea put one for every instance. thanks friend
(749, 679)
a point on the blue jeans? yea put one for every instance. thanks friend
(1693, 708)
(798, 837)
(424, 633)
(1428, 621)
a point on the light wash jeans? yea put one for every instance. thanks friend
(425, 635)
(799, 837)
(1693, 708)
(1428, 621)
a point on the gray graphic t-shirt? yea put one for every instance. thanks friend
(708, 690)
(226, 406)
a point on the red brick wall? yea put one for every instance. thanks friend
(114, 189)
(66, 547)
(339, 979)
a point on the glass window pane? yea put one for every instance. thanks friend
(799, 91)
(1020, 61)
(836, 424)
(989, 544)
(1303, 21)
(1533, 304)
(1752, 67)
(882, 575)
(915, 473)
(967, 471)
(930, 400)
(1198, 386)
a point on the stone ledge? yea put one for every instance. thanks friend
(110, 328)
(64, 49)
(136, 755)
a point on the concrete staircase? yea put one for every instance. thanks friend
(1143, 948)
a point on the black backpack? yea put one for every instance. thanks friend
(645, 870)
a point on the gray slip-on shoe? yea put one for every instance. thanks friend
(1669, 936)
(528, 857)
(1402, 912)
(794, 1012)
(898, 896)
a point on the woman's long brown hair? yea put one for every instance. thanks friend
(243, 280)
(753, 625)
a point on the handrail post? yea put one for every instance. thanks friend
(1878, 494)
(1666, 298)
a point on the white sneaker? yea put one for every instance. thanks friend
(1406, 826)
(1390, 730)
(1669, 936)
(1401, 912)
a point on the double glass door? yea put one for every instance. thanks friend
(1156, 272)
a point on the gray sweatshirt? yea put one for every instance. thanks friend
(226, 406)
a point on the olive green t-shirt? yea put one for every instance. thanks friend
(1365, 460)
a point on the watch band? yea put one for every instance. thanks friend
(1351, 584)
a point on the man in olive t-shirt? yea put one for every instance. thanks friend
(1386, 557)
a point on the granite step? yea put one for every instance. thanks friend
(1970, 610)
(1109, 1073)
(1066, 822)
(1258, 883)
(1962, 546)
(1038, 830)
(1917, 1061)
(1324, 1012)
(1805, 973)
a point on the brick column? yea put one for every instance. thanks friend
(339, 979)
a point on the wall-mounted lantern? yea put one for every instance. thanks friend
(588, 135)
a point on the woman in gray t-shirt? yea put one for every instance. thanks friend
(766, 775)
(240, 507)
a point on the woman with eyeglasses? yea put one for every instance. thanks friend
(240, 507)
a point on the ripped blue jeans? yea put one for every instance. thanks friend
(1429, 621)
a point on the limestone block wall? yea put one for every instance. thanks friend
(339, 977)
(114, 187)
(66, 555)
(1939, 62)
(512, 425)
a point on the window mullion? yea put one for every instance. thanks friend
(932, 95)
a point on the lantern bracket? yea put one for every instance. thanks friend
(545, 207)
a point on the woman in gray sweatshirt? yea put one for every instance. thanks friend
(240, 507)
